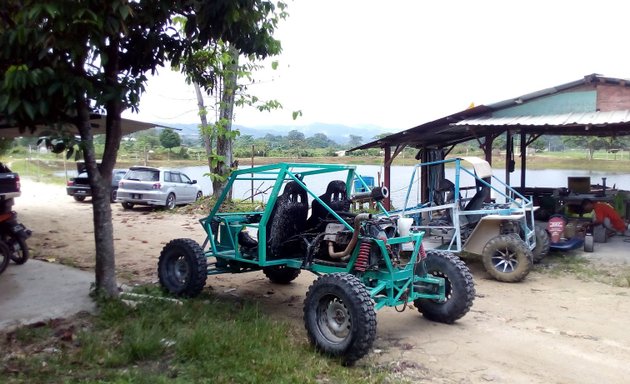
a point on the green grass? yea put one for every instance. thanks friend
(205, 340)
(44, 170)
(561, 263)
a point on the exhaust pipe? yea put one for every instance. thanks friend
(343, 255)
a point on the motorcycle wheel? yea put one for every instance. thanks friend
(18, 248)
(5, 256)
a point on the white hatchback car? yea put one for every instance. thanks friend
(158, 187)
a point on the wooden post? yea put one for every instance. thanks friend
(523, 157)
(386, 175)
(508, 155)
(487, 148)
(253, 148)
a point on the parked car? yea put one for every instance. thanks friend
(157, 187)
(9, 183)
(79, 187)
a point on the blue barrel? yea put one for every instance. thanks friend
(358, 186)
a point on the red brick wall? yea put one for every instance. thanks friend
(612, 97)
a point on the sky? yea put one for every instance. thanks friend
(401, 63)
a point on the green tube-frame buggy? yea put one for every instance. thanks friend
(363, 261)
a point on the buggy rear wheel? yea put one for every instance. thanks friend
(127, 205)
(507, 258)
(459, 288)
(542, 244)
(78, 198)
(339, 317)
(281, 274)
(182, 268)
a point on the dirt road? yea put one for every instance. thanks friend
(548, 329)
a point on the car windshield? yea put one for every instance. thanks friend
(143, 175)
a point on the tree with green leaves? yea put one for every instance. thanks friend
(170, 139)
(355, 141)
(590, 143)
(63, 60)
(232, 73)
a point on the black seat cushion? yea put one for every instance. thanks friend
(335, 197)
(287, 219)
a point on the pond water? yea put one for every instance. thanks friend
(401, 177)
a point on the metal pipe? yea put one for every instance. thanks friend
(353, 241)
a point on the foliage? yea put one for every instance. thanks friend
(591, 143)
(355, 141)
(62, 60)
(170, 139)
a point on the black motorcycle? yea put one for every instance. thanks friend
(13, 234)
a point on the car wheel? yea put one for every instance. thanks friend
(114, 193)
(78, 198)
(170, 201)
(199, 195)
(127, 205)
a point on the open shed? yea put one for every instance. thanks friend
(97, 122)
(593, 106)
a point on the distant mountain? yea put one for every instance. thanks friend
(337, 132)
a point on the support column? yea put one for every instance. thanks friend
(487, 148)
(386, 176)
(508, 155)
(523, 157)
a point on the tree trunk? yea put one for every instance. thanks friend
(205, 134)
(226, 114)
(100, 181)
(105, 269)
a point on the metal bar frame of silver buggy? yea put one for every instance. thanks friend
(525, 206)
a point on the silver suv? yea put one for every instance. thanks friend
(156, 186)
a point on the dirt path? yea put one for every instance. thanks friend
(547, 329)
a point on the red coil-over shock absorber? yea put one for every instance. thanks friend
(422, 254)
(364, 256)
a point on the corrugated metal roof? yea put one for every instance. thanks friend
(566, 119)
(470, 124)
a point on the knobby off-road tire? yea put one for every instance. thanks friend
(19, 249)
(543, 244)
(339, 317)
(281, 274)
(507, 258)
(459, 288)
(5, 256)
(78, 198)
(182, 268)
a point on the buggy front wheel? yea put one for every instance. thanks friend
(182, 268)
(459, 290)
(339, 317)
(507, 258)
